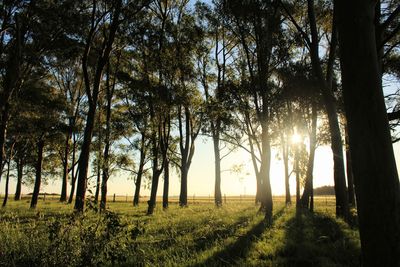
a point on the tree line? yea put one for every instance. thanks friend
(99, 87)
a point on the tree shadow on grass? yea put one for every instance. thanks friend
(241, 247)
(317, 240)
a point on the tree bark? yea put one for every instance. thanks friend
(73, 176)
(20, 169)
(7, 183)
(139, 175)
(217, 171)
(285, 156)
(183, 194)
(84, 160)
(265, 187)
(374, 166)
(64, 186)
(308, 188)
(38, 170)
(166, 185)
(99, 157)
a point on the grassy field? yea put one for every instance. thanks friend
(198, 235)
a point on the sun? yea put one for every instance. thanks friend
(296, 138)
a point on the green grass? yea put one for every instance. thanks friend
(199, 235)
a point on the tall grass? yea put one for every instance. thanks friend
(199, 235)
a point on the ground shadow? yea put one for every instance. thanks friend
(317, 240)
(240, 248)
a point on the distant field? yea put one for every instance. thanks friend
(198, 235)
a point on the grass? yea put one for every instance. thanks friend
(198, 235)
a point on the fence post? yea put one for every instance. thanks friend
(114, 198)
(225, 198)
(44, 197)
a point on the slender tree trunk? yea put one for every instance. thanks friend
(156, 171)
(38, 178)
(166, 185)
(153, 193)
(217, 156)
(20, 169)
(266, 192)
(64, 186)
(98, 180)
(7, 183)
(84, 160)
(374, 166)
(285, 155)
(183, 195)
(308, 188)
(99, 156)
(103, 201)
(73, 176)
(297, 168)
(138, 182)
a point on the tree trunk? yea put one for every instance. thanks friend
(166, 185)
(84, 160)
(73, 176)
(265, 187)
(285, 155)
(64, 188)
(103, 201)
(99, 156)
(7, 183)
(138, 182)
(183, 195)
(38, 169)
(98, 181)
(217, 157)
(20, 169)
(374, 166)
(153, 193)
(297, 169)
(308, 188)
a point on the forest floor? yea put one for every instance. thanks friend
(198, 235)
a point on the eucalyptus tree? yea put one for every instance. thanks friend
(258, 26)
(374, 166)
(212, 67)
(105, 19)
(187, 99)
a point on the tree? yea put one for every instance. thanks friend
(100, 17)
(374, 167)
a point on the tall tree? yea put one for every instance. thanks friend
(99, 37)
(374, 167)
